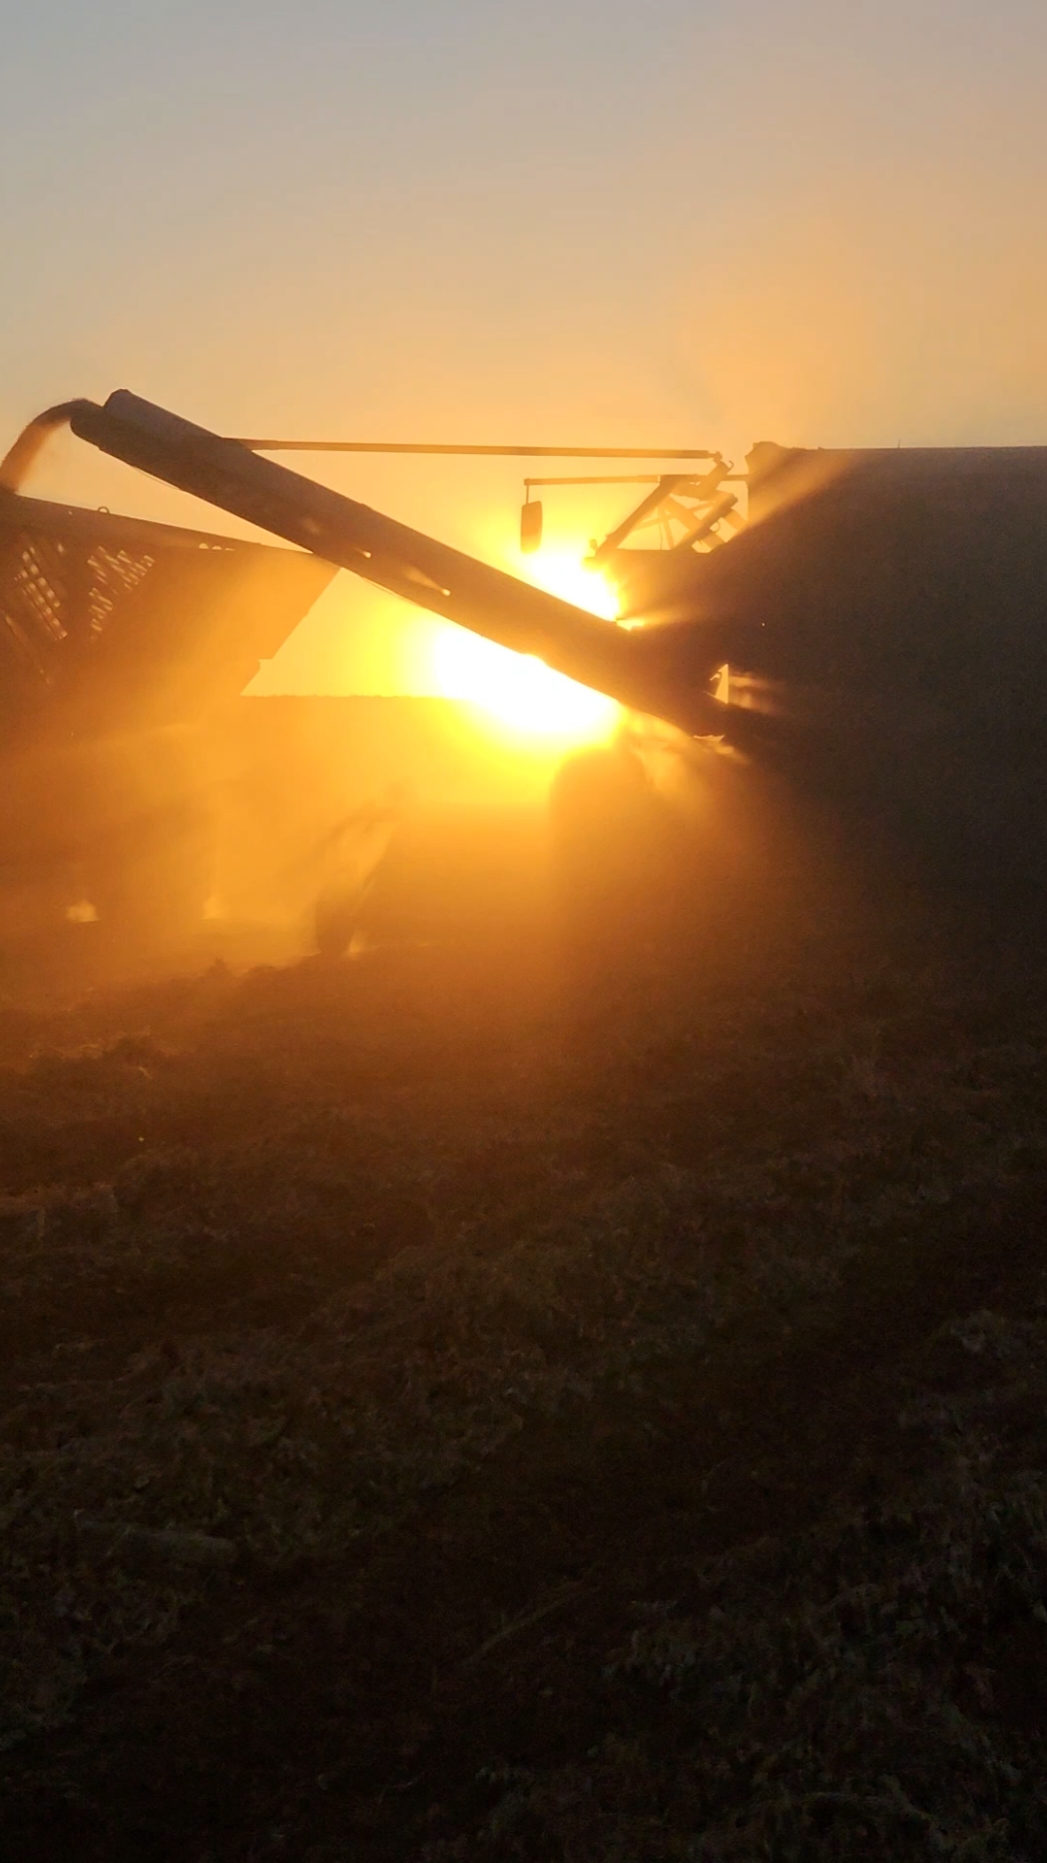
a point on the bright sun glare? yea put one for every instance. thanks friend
(519, 691)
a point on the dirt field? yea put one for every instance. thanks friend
(571, 1390)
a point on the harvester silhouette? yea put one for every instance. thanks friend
(874, 623)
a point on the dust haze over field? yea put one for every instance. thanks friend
(564, 1380)
(570, 1382)
(557, 1375)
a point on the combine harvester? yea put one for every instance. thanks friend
(873, 624)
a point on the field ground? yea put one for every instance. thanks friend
(569, 1389)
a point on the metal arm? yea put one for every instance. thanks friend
(429, 574)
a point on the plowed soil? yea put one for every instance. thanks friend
(565, 1391)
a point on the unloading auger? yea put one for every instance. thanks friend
(432, 575)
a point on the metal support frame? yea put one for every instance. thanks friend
(615, 478)
(478, 452)
(680, 503)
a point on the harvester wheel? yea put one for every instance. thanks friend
(336, 917)
(611, 857)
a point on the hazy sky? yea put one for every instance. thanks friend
(553, 221)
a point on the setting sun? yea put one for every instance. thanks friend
(519, 691)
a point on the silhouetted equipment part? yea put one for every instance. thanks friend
(104, 618)
(359, 843)
(118, 638)
(530, 525)
(685, 509)
(884, 618)
(531, 515)
(469, 451)
(603, 815)
(107, 619)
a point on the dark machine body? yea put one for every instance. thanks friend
(883, 617)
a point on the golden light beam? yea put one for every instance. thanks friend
(527, 698)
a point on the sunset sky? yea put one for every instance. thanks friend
(449, 219)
